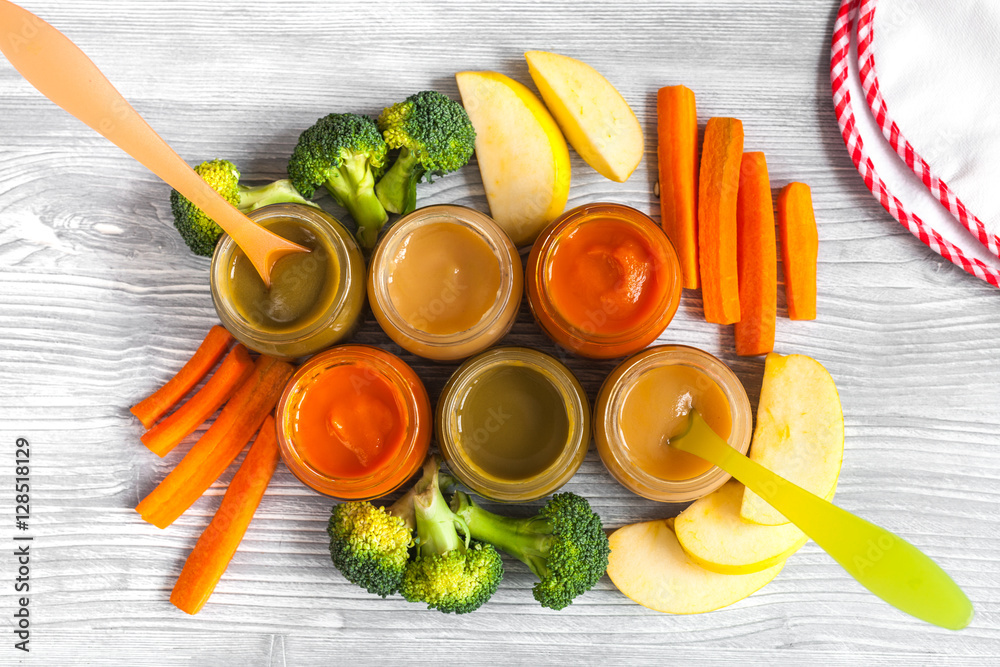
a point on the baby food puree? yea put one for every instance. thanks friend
(349, 422)
(302, 284)
(354, 422)
(656, 408)
(646, 400)
(603, 281)
(315, 299)
(602, 277)
(513, 423)
(445, 282)
(443, 278)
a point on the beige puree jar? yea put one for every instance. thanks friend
(445, 282)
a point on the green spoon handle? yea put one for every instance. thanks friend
(884, 563)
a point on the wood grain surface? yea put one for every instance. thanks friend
(100, 303)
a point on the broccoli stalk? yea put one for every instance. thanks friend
(435, 137)
(346, 154)
(280, 191)
(449, 573)
(397, 190)
(436, 525)
(353, 186)
(199, 231)
(564, 544)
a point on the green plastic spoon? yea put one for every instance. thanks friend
(884, 563)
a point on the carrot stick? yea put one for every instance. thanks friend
(215, 548)
(799, 246)
(677, 152)
(182, 422)
(757, 258)
(718, 183)
(220, 445)
(208, 353)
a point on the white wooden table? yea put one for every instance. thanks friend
(100, 302)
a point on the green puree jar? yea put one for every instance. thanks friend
(513, 424)
(315, 298)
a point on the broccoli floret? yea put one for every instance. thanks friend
(564, 544)
(435, 137)
(346, 153)
(199, 231)
(370, 545)
(449, 573)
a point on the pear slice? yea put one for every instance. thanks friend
(799, 433)
(522, 155)
(595, 118)
(712, 533)
(648, 565)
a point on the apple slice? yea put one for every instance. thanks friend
(522, 155)
(648, 565)
(799, 433)
(714, 536)
(595, 118)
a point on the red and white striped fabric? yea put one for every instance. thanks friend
(893, 134)
(887, 161)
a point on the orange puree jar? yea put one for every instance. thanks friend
(603, 280)
(354, 422)
(645, 401)
(445, 282)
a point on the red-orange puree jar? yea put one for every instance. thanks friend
(603, 280)
(354, 422)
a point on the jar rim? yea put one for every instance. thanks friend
(317, 221)
(486, 229)
(645, 331)
(405, 383)
(560, 470)
(612, 397)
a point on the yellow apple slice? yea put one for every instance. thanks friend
(713, 535)
(648, 565)
(595, 118)
(522, 155)
(799, 433)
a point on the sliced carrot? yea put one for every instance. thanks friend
(757, 257)
(208, 561)
(182, 422)
(220, 445)
(677, 152)
(208, 353)
(718, 183)
(799, 247)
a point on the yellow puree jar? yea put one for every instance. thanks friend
(646, 400)
(445, 282)
(315, 299)
(513, 424)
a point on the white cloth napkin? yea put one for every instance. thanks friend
(904, 19)
(938, 68)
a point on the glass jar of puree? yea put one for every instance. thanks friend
(646, 400)
(315, 299)
(513, 424)
(354, 422)
(603, 281)
(445, 282)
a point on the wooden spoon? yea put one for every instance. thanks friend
(884, 563)
(63, 73)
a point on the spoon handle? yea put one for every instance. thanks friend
(57, 67)
(884, 563)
